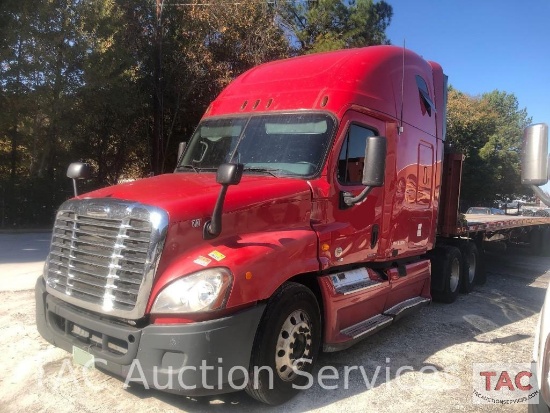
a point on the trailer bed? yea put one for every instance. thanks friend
(494, 223)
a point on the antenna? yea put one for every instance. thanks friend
(400, 129)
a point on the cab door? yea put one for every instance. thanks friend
(356, 230)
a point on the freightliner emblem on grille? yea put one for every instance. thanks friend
(97, 211)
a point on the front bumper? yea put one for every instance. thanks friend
(191, 359)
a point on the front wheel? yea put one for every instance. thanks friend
(286, 345)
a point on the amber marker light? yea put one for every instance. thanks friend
(325, 247)
(248, 275)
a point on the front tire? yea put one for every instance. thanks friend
(286, 345)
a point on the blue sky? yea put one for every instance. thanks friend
(483, 45)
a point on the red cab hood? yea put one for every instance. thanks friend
(190, 195)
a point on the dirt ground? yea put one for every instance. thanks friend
(439, 344)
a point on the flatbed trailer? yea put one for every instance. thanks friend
(490, 224)
(453, 224)
(462, 239)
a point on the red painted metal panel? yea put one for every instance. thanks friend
(450, 194)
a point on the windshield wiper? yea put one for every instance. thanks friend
(262, 170)
(194, 168)
(187, 167)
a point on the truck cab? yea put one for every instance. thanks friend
(297, 220)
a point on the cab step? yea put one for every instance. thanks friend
(406, 307)
(367, 327)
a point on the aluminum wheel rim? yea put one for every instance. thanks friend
(293, 345)
(455, 274)
(472, 267)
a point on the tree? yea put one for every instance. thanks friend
(502, 151)
(110, 100)
(324, 25)
(204, 48)
(488, 130)
(112, 82)
(40, 69)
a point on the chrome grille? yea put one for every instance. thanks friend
(103, 255)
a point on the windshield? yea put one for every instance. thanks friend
(282, 144)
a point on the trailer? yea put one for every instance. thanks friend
(473, 234)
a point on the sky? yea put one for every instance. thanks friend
(483, 45)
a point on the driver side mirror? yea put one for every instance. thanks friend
(375, 161)
(374, 171)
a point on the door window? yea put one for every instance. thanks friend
(352, 155)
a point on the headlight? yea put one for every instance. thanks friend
(202, 291)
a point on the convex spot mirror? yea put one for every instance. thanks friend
(79, 170)
(534, 155)
(229, 173)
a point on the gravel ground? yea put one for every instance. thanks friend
(440, 344)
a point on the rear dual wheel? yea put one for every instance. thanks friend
(448, 264)
(473, 267)
(539, 241)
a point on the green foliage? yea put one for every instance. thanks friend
(116, 83)
(488, 130)
(325, 25)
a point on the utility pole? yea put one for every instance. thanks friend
(158, 138)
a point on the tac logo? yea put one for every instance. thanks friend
(504, 383)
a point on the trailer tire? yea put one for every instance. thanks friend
(448, 263)
(535, 241)
(291, 322)
(481, 275)
(545, 242)
(472, 268)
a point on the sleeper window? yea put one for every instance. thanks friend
(425, 101)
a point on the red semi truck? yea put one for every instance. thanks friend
(313, 206)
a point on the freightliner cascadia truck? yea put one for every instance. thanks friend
(314, 205)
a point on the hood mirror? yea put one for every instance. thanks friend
(227, 174)
(78, 170)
